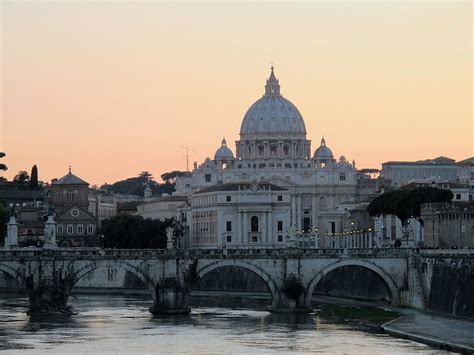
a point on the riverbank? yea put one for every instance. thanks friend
(447, 333)
(442, 332)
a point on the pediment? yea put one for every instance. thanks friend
(279, 181)
(75, 213)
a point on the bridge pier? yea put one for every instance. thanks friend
(170, 298)
(48, 296)
(287, 305)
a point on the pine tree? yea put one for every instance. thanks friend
(34, 177)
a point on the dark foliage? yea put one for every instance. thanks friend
(136, 185)
(4, 217)
(3, 166)
(293, 288)
(22, 177)
(34, 177)
(134, 232)
(170, 177)
(405, 203)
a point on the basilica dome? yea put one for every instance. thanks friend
(224, 153)
(273, 114)
(323, 152)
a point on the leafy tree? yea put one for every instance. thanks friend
(293, 288)
(405, 203)
(3, 167)
(136, 185)
(34, 177)
(4, 217)
(22, 177)
(31, 242)
(170, 177)
(134, 232)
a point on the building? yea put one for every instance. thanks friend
(163, 207)
(76, 226)
(239, 214)
(466, 170)
(273, 150)
(448, 225)
(404, 172)
(102, 206)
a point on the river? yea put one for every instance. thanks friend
(123, 325)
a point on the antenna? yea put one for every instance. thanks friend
(189, 152)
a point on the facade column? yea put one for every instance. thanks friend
(313, 211)
(271, 239)
(237, 230)
(293, 210)
(266, 228)
(245, 229)
(298, 211)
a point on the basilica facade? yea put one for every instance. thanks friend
(273, 187)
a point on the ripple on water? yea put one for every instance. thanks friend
(116, 324)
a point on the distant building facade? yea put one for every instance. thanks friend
(448, 225)
(76, 226)
(239, 214)
(163, 207)
(404, 172)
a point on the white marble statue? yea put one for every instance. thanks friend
(11, 241)
(50, 234)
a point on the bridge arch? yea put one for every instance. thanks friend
(266, 278)
(98, 264)
(13, 273)
(387, 279)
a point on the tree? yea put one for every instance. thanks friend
(136, 185)
(4, 217)
(170, 177)
(134, 232)
(3, 167)
(34, 177)
(22, 177)
(405, 203)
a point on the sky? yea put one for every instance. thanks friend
(116, 88)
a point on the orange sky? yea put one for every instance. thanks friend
(117, 88)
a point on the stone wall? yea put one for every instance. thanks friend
(452, 287)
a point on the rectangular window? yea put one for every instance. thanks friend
(60, 229)
(280, 238)
(207, 177)
(70, 229)
(90, 229)
(280, 226)
(280, 198)
(228, 198)
(80, 229)
(342, 177)
(228, 226)
(229, 239)
(254, 239)
(458, 196)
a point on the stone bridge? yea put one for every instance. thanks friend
(48, 276)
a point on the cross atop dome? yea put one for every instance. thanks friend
(272, 88)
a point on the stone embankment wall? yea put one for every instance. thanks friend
(451, 286)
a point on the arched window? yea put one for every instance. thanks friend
(254, 224)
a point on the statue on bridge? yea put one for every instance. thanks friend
(11, 241)
(50, 234)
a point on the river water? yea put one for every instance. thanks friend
(123, 325)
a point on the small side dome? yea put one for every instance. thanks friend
(323, 152)
(224, 153)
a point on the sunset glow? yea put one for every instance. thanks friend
(117, 88)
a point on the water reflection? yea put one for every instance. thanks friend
(112, 324)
